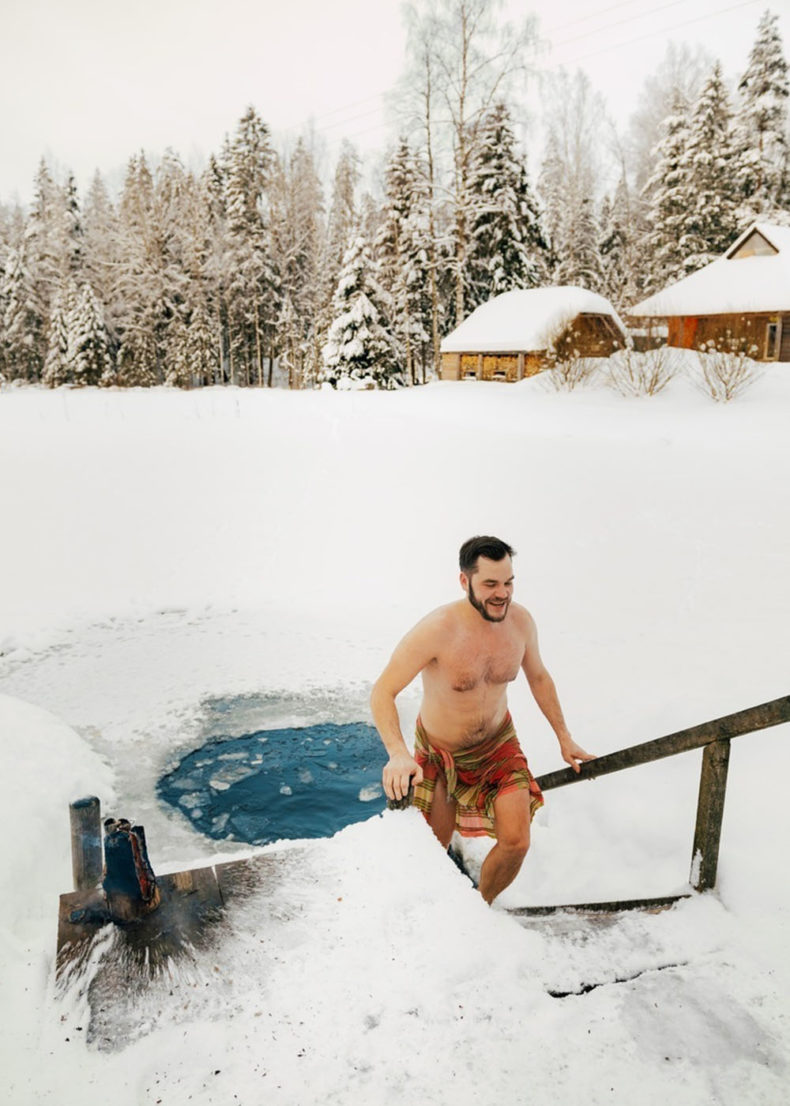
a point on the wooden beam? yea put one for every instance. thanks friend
(710, 811)
(742, 722)
(662, 903)
(87, 858)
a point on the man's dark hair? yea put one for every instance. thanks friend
(482, 546)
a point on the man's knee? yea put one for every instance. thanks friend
(515, 843)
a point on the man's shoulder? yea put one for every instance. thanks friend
(522, 617)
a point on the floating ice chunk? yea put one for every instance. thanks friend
(286, 790)
(234, 756)
(305, 775)
(228, 774)
(192, 800)
(218, 824)
(368, 794)
(188, 783)
(197, 813)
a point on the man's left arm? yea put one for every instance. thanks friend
(545, 694)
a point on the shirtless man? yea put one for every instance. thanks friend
(468, 771)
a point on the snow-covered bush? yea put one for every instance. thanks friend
(571, 370)
(725, 369)
(646, 373)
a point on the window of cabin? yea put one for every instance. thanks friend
(773, 334)
(754, 246)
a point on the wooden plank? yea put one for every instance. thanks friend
(773, 713)
(87, 858)
(653, 905)
(710, 812)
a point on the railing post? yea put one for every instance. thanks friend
(86, 845)
(710, 810)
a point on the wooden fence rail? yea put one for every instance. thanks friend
(714, 737)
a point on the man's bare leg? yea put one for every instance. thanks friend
(511, 822)
(442, 814)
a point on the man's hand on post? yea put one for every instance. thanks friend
(572, 753)
(400, 771)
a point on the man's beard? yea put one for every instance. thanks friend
(481, 607)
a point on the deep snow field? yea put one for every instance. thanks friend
(166, 551)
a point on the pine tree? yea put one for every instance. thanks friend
(342, 227)
(711, 173)
(139, 287)
(505, 235)
(403, 251)
(666, 197)
(763, 122)
(88, 348)
(23, 320)
(297, 233)
(57, 368)
(581, 263)
(619, 247)
(359, 346)
(253, 284)
(101, 253)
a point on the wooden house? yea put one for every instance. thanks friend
(517, 333)
(740, 301)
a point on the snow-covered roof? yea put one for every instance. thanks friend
(760, 282)
(525, 320)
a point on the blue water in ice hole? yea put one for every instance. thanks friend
(300, 782)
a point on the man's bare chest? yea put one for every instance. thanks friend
(469, 664)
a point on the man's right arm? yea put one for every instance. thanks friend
(412, 654)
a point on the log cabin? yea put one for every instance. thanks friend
(739, 301)
(519, 333)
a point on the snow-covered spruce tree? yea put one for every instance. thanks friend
(23, 320)
(619, 247)
(297, 238)
(359, 346)
(711, 174)
(666, 197)
(341, 230)
(581, 263)
(102, 260)
(569, 180)
(139, 287)
(253, 283)
(505, 235)
(762, 123)
(88, 356)
(73, 231)
(402, 250)
(57, 369)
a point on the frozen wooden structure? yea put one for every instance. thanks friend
(517, 334)
(740, 302)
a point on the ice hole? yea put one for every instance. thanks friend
(295, 782)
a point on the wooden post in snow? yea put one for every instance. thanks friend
(710, 811)
(86, 842)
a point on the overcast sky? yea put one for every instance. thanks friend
(85, 83)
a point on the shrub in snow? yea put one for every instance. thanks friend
(726, 369)
(646, 373)
(571, 370)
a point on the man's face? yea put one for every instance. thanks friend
(490, 588)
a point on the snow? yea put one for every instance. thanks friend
(525, 320)
(729, 284)
(181, 565)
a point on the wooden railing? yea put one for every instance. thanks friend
(714, 737)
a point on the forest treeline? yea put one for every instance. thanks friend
(251, 272)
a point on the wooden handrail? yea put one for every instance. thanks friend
(742, 722)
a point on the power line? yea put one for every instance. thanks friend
(664, 30)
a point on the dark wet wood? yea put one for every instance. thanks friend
(87, 858)
(651, 906)
(742, 722)
(710, 812)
